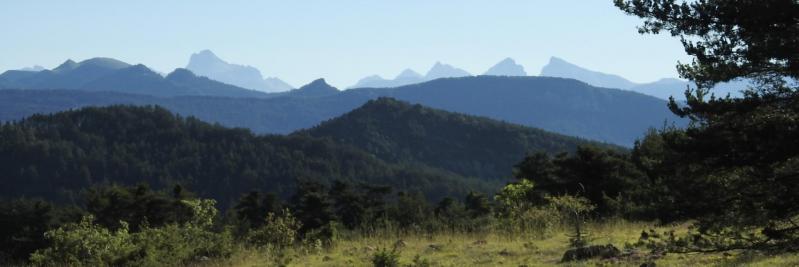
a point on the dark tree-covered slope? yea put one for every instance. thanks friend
(56, 156)
(397, 131)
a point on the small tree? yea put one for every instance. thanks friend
(312, 206)
(574, 210)
(386, 258)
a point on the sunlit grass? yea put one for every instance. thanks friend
(460, 249)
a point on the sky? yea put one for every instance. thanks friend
(341, 41)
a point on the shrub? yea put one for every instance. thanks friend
(385, 258)
(418, 261)
(85, 244)
(327, 235)
(90, 244)
(175, 245)
(203, 212)
(536, 221)
(278, 231)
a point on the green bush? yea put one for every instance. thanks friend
(521, 213)
(174, 245)
(385, 258)
(278, 231)
(418, 261)
(90, 244)
(535, 221)
(85, 244)
(327, 235)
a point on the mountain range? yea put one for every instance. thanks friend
(557, 67)
(408, 76)
(106, 74)
(206, 63)
(663, 88)
(564, 106)
(506, 67)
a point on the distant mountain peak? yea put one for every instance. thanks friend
(66, 66)
(105, 62)
(372, 77)
(141, 67)
(206, 63)
(180, 74)
(560, 61)
(318, 87)
(507, 67)
(206, 52)
(558, 67)
(205, 56)
(372, 81)
(318, 83)
(408, 74)
(441, 70)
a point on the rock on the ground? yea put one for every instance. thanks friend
(589, 252)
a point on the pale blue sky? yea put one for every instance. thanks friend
(341, 40)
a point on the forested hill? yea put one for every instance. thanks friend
(56, 156)
(400, 132)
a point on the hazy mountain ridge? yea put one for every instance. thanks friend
(558, 105)
(105, 74)
(663, 88)
(506, 67)
(206, 63)
(75, 75)
(409, 76)
(560, 68)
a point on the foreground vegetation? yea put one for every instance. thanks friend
(493, 249)
(135, 226)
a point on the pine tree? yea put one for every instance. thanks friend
(740, 155)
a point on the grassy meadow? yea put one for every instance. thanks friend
(460, 249)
